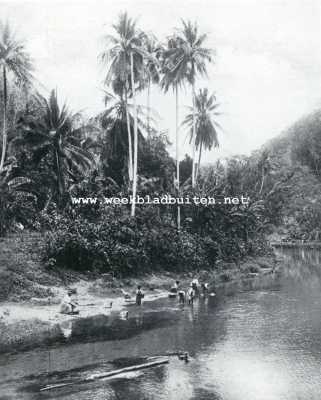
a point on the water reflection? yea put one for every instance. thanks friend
(66, 328)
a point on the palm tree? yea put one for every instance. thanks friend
(202, 118)
(189, 60)
(14, 60)
(151, 70)
(53, 136)
(173, 77)
(126, 61)
(113, 120)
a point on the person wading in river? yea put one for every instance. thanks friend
(181, 296)
(204, 287)
(190, 294)
(139, 296)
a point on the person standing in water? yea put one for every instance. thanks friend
(139, 296)
(204, 287)
(190, 294)
(181, 296)
(195, 285)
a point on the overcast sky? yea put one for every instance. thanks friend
(267, 71)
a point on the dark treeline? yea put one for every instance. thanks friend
(50, 154)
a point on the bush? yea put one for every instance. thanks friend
(114, 242)
(125, 246)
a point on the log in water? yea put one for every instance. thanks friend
(109, 374)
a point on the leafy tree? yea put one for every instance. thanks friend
(155, 163)
(185, 167)
(17, 199)
(113, 121)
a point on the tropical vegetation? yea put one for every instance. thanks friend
(51, 155)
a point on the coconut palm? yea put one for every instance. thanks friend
(202, 118)
(188, 61)
(152, 70)
(113, 120)
(15, 61)
(54, 137)
(173, 77)
(125, 57)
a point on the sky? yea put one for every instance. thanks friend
(266, 74)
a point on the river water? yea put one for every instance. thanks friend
(260, 345)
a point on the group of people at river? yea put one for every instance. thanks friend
(69, 304)
(194, 290)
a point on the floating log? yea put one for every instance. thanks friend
(129, 369)
(109, 374)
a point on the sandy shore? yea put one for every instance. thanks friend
(48, 309)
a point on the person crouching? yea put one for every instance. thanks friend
(68, 304)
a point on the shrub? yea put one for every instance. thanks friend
(125, 246)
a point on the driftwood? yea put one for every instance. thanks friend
(103, 375)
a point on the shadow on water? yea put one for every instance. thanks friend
(264, 344)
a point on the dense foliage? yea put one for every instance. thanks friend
(114, 242)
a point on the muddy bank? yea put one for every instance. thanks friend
(35, 323)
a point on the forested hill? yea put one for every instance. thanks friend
(295, 157)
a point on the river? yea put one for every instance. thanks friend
(260, 345)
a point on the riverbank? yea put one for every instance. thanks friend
(26, 324)
(297, 244)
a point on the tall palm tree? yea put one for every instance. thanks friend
(173, 77)
(15, 61)
(190, 60)
(152, 70)
(117, 57)
(53, 136)
(125, 56)
(202, 118)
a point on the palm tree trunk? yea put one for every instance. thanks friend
(130, 148)
(193, 137)
(262, 181)
(148, 108)
(60, 179)
(177, 158)
(135, 137)
(4, 130)
(199, 159)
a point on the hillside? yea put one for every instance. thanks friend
(296, 152)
